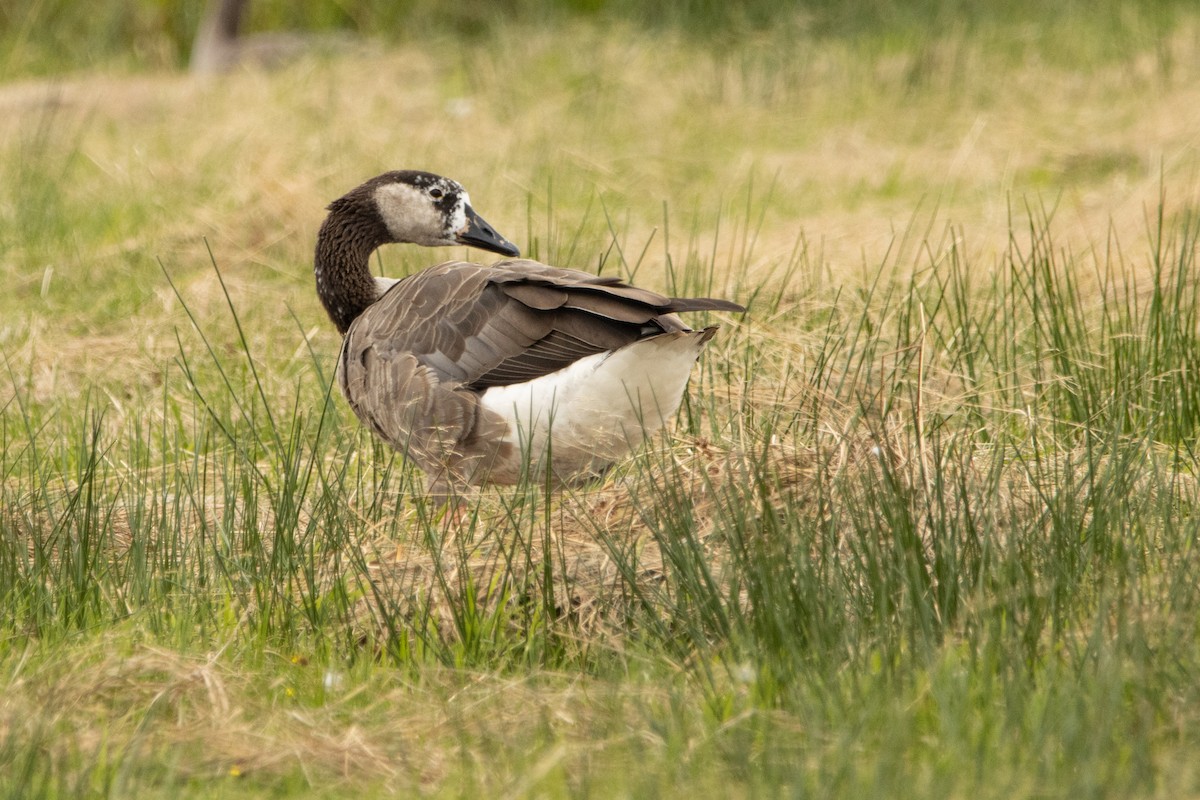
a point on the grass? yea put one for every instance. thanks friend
(925, 526)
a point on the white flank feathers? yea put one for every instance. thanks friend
(598, 409)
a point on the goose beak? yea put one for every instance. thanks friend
(477, 233)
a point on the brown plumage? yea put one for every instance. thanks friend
(475, 371)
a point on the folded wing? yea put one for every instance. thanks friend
(482, 326)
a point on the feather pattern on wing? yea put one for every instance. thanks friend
(513, 321)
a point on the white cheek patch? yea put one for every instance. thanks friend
(411, 216)
(458, 217)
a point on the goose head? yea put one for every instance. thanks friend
(401, 207)
(422, 208)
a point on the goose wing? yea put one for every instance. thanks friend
(514, 321)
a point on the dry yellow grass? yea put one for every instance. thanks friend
(853, 154)
(855, 151)
(208, 720)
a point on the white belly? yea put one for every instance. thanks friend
(584, 417)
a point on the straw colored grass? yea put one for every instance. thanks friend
(924, 525)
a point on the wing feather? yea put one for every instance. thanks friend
(481, 326)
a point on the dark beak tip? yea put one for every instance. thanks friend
(480, 234)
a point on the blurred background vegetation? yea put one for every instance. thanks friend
(44, 37)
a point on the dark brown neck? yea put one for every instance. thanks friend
(342, 263)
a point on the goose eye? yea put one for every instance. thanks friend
(435, 193)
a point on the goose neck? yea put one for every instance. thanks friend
(342, 266)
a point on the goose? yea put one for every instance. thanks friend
(482, 374)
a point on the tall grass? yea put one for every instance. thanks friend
(956, 511)
(924, 525)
